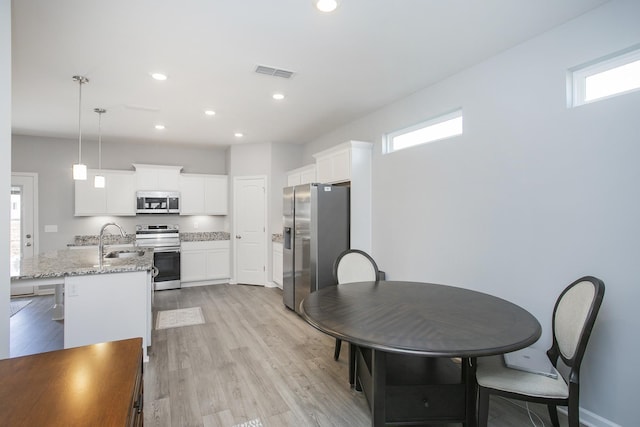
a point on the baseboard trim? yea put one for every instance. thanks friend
(203, 283)
(589, 419)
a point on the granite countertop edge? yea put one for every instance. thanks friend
(78, 262)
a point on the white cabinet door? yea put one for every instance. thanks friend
(203, 194)
(116, 198)
(334, 167)
(191, 194)
(308, 175)
(157, 177)
(193, 265)
(341, 163)
(218, 264)
(216, 194)
(88, 199)
(120, 192)
(324, 169)
(204, 260)
(303, 175)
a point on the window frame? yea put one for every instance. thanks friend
(388, 138)
(577, 76)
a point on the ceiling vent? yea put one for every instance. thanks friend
(270, 71)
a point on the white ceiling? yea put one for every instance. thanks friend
(365, 55)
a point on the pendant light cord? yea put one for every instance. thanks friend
(100, 111)
(80, 80)
(100, 140)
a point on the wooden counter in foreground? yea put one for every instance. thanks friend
(94, 385)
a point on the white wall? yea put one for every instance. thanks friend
(531, 197)
(5, 169)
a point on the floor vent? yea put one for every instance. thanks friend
(270, 71)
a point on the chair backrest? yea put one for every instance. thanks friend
(354, 265)
(574, 314)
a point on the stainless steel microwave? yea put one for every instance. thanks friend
(158, 202)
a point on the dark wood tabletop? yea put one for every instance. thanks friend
(421, 319)
(94, 385)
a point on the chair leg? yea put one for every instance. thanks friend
(574, 416)
(336, 352)
(553, 415)
(483, 407)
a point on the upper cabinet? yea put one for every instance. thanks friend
(157, 177)
(351, 162)
(303, 175)
(116, 198)
(203, 194)
(343, 162)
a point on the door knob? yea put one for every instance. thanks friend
(28, 244)
(238, 236)
(28, 236)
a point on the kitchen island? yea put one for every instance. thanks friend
(102, 303)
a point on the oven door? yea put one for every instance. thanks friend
(167, 261)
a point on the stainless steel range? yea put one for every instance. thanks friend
(165, 241)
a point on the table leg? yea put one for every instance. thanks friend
(352, 365)
(379, 379)
(469, 378)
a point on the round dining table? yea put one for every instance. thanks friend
(412, 345)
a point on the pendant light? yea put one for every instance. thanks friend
(326, 5)
(99, 180)
(79, 169)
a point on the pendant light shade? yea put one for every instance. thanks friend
(80, 169)
(99, 180)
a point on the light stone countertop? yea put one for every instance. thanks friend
(116, 239)
(277, 238)
(74, 262)
(203, 236)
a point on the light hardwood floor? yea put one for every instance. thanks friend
(251, 359)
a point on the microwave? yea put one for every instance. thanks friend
(157, 202)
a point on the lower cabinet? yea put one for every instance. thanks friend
(204, 261)
(107, 307)
(277, 263)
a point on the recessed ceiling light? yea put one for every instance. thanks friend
(238, 135)
(326, 5)
(159, 76)
(160, 127)
(210, 112)
(278, 96)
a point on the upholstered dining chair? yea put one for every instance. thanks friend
(354, 265)
(574, 314)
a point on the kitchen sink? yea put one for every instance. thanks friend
(125, 254)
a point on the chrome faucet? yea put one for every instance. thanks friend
(101, 241)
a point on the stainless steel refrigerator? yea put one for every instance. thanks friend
(316, 231)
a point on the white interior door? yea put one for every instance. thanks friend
(249, 224)
(24, 223)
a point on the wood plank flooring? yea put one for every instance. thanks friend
(251, 359)
(32, 330)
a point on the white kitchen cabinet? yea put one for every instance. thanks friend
(107, 307)
(204, 194)
(157, 177)
(351, 162)
(116, 198)
(340, 163)
(303, 175)
(277, 263)
(204, 261)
